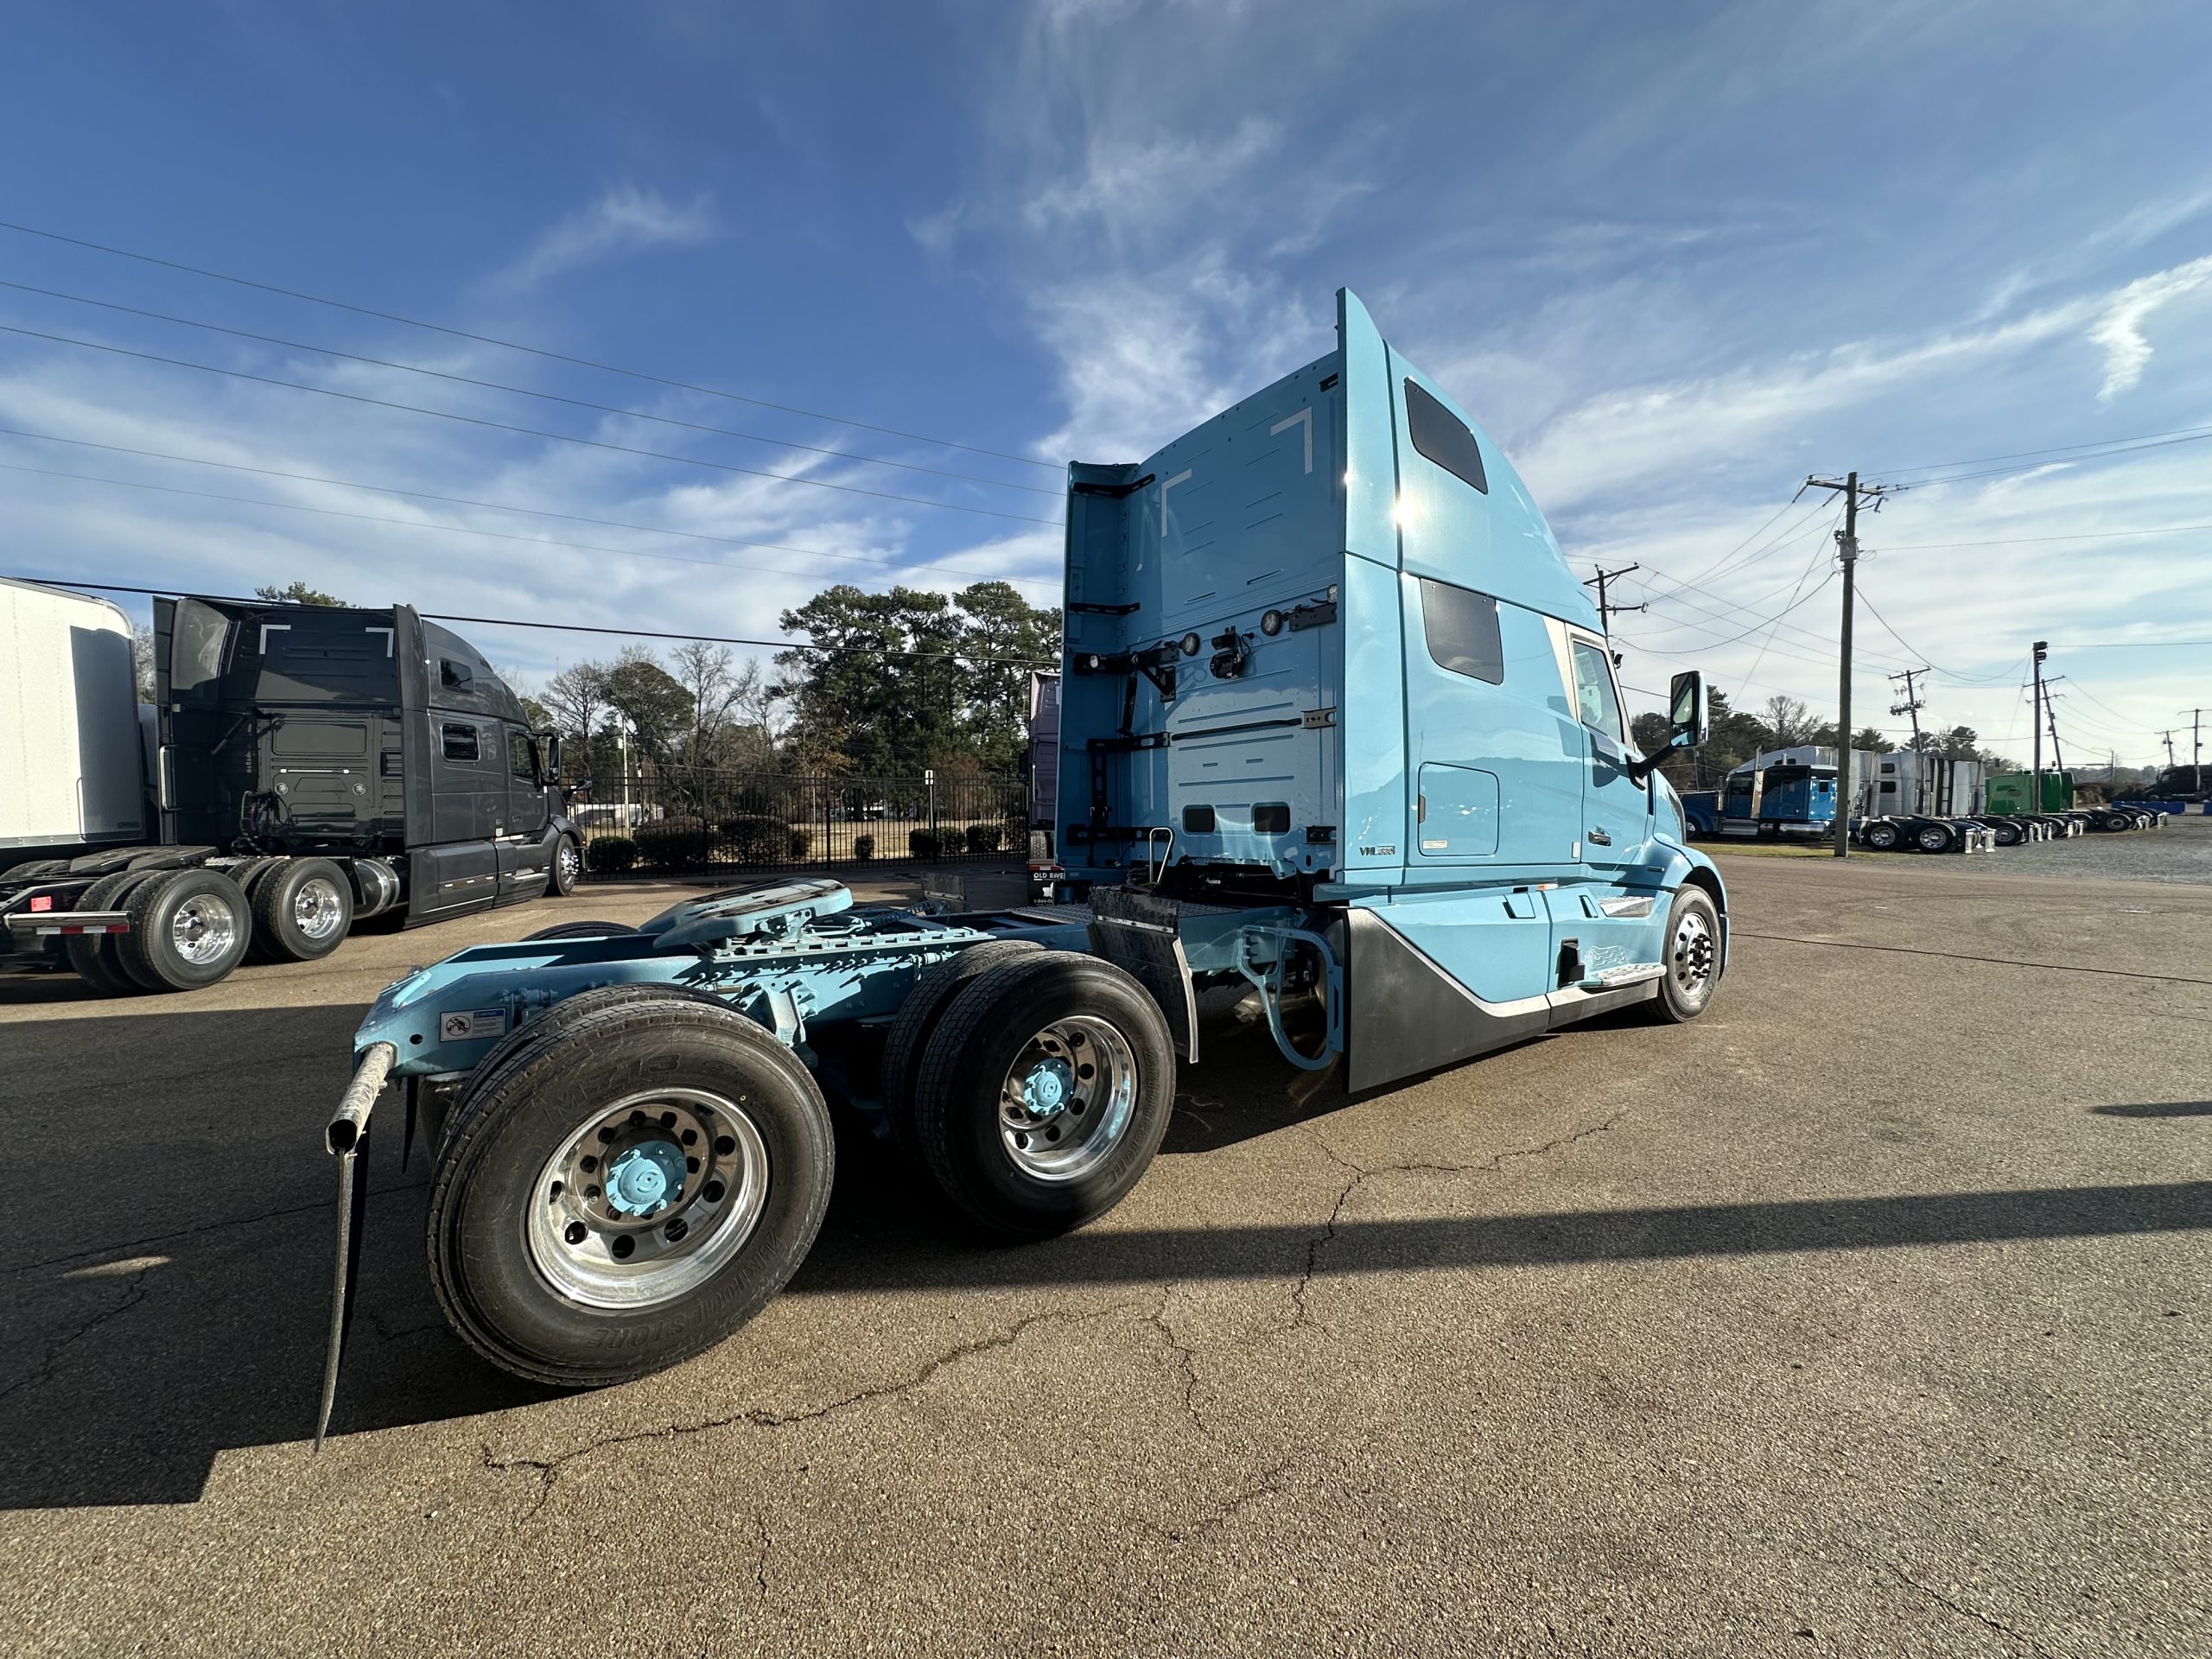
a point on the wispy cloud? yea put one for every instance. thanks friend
(623, 221)
(2119, 331)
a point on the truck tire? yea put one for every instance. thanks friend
(567, 866)
(31, 869)
(2008, 835)
(579, 931)
(1882, 837)
(918, 1016)
(611, 1276)
(1043, 1092)
(188, 929)
(93, 955)
(1691, 957)
(1933, 838)
(301, 910)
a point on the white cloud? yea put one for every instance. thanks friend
(2120, 330)
(623, 221)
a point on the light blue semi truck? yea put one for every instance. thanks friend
(1338, 726)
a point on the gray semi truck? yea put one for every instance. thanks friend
(302, 768)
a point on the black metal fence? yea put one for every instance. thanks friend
(686, 823)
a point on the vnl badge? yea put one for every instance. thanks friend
(466, 1024)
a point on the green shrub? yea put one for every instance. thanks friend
(674, 843)
(610, 854)
(752, 838)
(924, 844)
(864, 847)
(799, 844)
(985, 837)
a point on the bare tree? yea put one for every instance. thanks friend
(576, 698)
(1789, 721)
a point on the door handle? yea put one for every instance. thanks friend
(1599, 838)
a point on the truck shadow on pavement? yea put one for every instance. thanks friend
(2159, 1109)
(186, 1315)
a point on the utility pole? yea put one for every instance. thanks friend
(1606, 611)
(1911, 705)
(1846, 541)
(2197, 749)
(2035, 725)
(2170, 762)
(2051, 713)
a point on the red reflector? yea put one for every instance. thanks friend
(42, 901)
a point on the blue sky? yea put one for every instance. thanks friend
(1673, 257)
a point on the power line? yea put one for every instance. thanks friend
(2033, 466)
(581, 628)
(2019, 455)
(2021, 541)
(499, 534)
(525, 431)
(524, 392)
(466, 501)
(514, 346)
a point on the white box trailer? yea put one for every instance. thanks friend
(72, 766)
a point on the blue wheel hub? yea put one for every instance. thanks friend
(1049, 1087)
(644, 1178)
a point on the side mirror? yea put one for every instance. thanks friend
(1686, 711)
(553, 758)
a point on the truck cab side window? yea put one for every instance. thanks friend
(1444, 438)
(1595, 699)
(522, 757)
(1461, 627)
(456, 676)
(460, 742)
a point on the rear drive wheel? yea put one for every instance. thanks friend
(93, 955)
(1882, 837)
(188, 928)
(592, 1222)
(1693, 957)
(1043, 1092)
(926, 1001)
(2008, 835)
(1932, 838)
(301, 910)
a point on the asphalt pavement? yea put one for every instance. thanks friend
(1866, 1315)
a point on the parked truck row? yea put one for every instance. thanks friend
(301, 769)
(1902, 800)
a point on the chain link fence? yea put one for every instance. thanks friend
(692, 823)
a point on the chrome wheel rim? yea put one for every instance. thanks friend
(1068, 1099)
(1691, 959)
(203, 930)
(317, 908)
(649, 1199)
(570, 864)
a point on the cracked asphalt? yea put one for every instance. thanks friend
(1867, 1315)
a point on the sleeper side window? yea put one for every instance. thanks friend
(460, 741)
(1594, 698)
(457, 677)
(1444, 438)
(1462, 630)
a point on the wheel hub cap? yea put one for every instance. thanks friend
(645, 1177)
(202, 930)
(1046, 1089)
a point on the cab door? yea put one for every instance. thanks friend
(524, 849)
(1616, 807)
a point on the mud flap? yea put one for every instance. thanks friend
(347, 1138)
(1141, 933)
